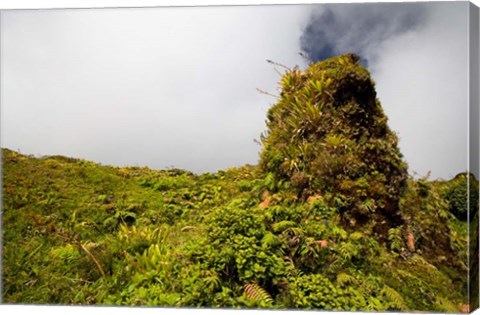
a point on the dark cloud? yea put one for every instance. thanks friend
(335, 29)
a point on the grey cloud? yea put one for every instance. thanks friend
(422, 82)
(158, 87)
(335, 29)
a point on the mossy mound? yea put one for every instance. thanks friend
(328, 135)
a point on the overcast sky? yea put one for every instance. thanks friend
(176, 87)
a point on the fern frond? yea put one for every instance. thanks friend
(395, 298)
(294, 231)
(257, 293)
(444, 305)
(67, 253)
(212, 280)
(344, 279)
(270, 240)
(346, 250)
(338, 232)
(395, 238)
(355, 236)
(282, 226)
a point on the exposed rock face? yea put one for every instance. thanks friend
(328, 135)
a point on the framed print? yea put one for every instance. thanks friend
(304, 156)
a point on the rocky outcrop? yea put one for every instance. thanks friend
(328, 135)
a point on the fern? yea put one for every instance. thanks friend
(339, 233)
(257, 293)
(269, 181)
(355, 236)
(345, 279)
(270, 240)
(395, 239)
(346, 250)
(295, 232)
(212, 280)
(444, 305)
(282, 226)
(309, 253)
(395, 298)
(67, 253)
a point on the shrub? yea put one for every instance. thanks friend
(462, 201)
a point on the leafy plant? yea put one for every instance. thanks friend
(395, 237)
(463, 196)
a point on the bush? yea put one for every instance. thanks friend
(460, 199)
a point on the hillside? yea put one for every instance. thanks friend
(347, 231)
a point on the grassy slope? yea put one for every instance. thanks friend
(75, 232)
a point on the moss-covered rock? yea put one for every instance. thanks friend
(328, 134)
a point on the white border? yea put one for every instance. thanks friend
(50, 4)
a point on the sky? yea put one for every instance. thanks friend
(177, 87)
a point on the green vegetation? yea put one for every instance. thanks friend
(328, 220)
(328, 134)
(462, 194)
